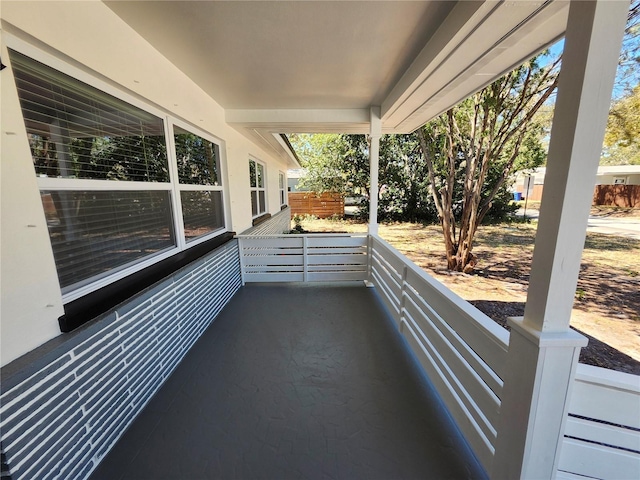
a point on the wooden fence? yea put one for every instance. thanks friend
(617, 195)
(321, 205)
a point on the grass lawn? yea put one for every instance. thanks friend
(607, 303)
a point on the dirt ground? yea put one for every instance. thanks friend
(607, 302)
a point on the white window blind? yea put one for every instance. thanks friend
(94, 233)
(115, 200)
(200, 183)
(78, 131)
(258, 191)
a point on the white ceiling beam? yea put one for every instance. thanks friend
(295, 118)
(457, 26)
(494, 38)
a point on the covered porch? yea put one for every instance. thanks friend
(297, 380)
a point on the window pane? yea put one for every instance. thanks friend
(281, 197)
(252, 173)
(281, 180)
(262, 202)
(94, 232)
(260, 169)
(77, 131)
(197, 159)
(202, 213)
(254, 203)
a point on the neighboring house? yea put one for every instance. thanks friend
(607, 175)
(293, 179)
(137, 137)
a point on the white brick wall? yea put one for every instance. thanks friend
(63, 418)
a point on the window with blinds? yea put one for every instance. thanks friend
(107, 181)
(258, 191)
(78, 131)
(94, 232)
(200, 186)
(283, 191)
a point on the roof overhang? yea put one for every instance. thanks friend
(284, 67)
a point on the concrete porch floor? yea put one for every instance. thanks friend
(295, 381)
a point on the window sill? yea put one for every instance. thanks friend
(94, 304)
(260, 219)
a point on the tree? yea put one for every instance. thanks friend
(340, 163)
(621, 144)
(486, 137)
(628, 74)
(622, 137)
(322, 157)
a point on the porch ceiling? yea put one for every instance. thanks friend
(285, 66)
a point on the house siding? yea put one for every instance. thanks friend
(61, 418)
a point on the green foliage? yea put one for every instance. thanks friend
(322, 157)
(622, 138)
(297, 220)
(628, 74)
(456, 169)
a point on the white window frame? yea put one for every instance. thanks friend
(181, 187)
(173, 187)
(258, 188)
(282, 187)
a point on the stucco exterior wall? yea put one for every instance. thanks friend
(30, 302)
(90, 39)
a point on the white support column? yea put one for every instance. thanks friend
(593, 41)
(543, 351)
(374, 157)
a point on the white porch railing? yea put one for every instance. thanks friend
(463, 352)
(602, 436)
(303, 258)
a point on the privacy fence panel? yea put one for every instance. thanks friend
(303, 258)
(322, 205)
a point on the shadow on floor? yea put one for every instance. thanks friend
(596, 352)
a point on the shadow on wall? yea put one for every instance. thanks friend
(617, 195)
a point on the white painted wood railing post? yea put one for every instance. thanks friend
(369, 281)
(543, 351)
(403, 297)
(374, 154)
(537, 385)
(241, 255)
(305, 265)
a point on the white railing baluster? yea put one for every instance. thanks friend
(305, 259)
(369, 260)
(403, 296)
(241, 253)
